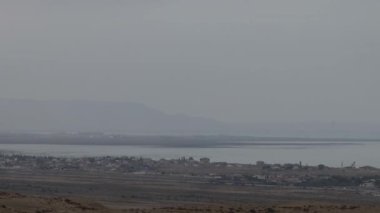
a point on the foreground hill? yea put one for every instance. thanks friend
(17, 203)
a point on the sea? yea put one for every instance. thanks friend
(335, 154)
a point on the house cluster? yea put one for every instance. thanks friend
(107, 163)
(260, 173)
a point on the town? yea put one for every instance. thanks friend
(260, 173)
(127, 182)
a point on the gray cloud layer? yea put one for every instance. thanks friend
(239, 61)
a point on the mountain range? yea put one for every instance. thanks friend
(18, 115)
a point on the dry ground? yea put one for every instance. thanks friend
(17, 203)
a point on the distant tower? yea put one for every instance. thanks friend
(353, 165)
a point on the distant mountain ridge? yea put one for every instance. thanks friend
(83, 116)
(135, 118)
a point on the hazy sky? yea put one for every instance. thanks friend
(233, 60)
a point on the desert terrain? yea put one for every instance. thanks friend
(17, 203)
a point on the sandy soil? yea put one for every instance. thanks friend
(14, 202)
(17, 203)
(287, 208)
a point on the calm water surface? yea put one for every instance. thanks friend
(312, 153)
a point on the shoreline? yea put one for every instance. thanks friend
(333, 154)
(5, 154)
